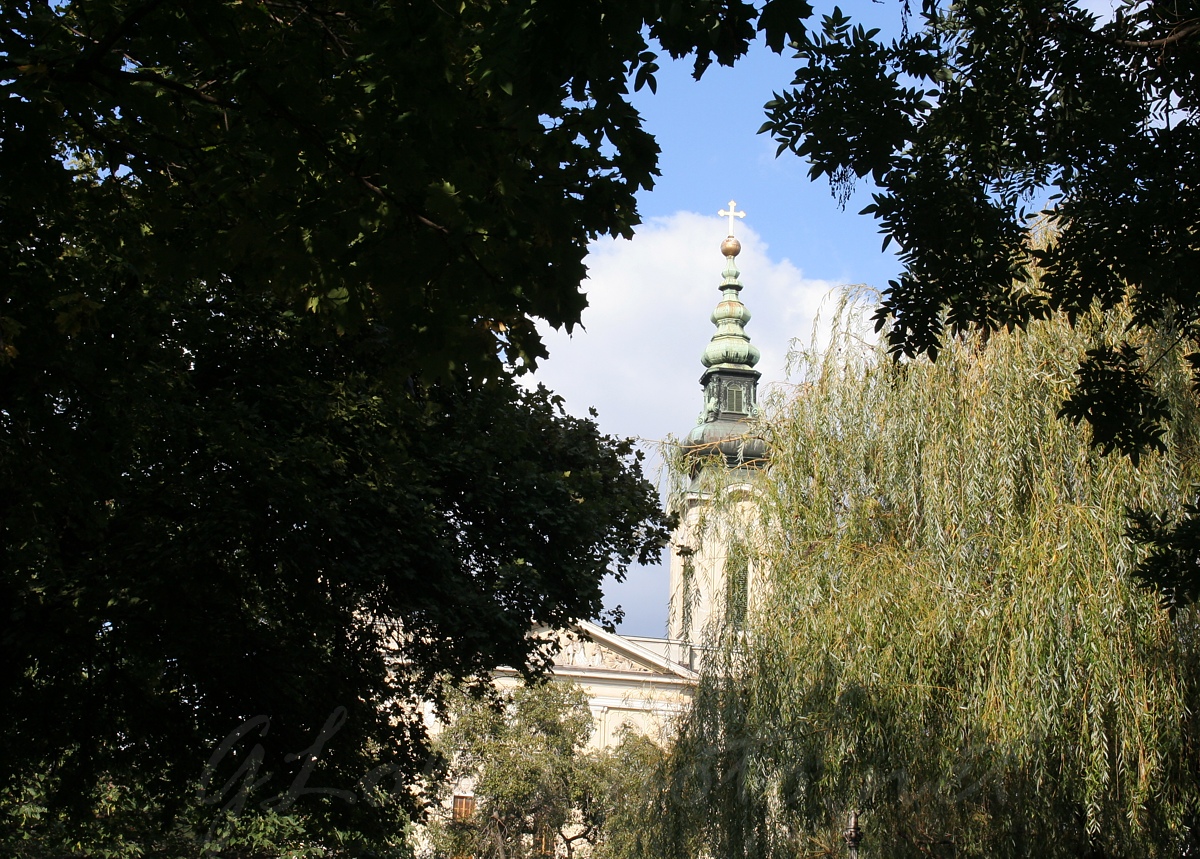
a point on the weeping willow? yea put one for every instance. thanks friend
(946, 639)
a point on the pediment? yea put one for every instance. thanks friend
(585, 647)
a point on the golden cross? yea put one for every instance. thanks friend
(731, 214)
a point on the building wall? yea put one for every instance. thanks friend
(636, 684)
(702, 549)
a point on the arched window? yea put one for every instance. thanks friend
(689, 596)
(735, 399)
(737, 583)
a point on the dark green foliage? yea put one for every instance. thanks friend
(1116, 397)
(269, 271)
(128, 823)
(980, 114)
(1172, 561)
(225, 512)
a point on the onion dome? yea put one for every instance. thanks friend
(730, 344)
(730, 381)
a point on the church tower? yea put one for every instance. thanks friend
(711, 566)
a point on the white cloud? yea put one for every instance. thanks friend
(638, 361)
(648, 321)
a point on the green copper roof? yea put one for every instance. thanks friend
(730, 345)
(725, 428)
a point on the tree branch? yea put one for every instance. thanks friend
(1183, 30)
(383, 195)
(167, 83)
(102, 46)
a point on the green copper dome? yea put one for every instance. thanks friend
(730, 344)
(730, 382)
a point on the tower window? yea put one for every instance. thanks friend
(734, 395)
(737, 584)
(689, 596)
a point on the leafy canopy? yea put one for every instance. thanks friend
(979, 114)
(270, 269)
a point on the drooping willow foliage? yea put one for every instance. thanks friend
(948, 640)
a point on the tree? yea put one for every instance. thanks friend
(537, 789)
(254, 526)
(271, 269)
(948, 641)
(978, 115)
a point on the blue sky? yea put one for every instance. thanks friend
(638, 359)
